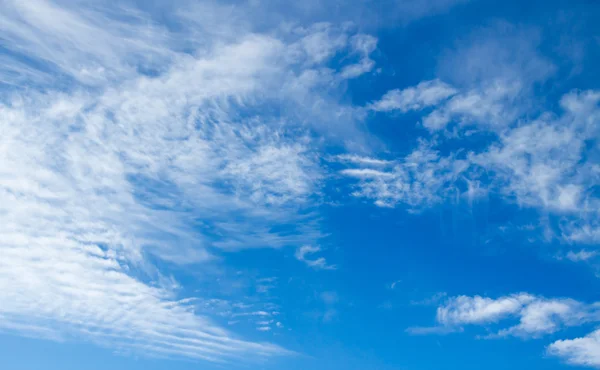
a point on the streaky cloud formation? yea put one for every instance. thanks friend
(536, 163)
(275, 184)
(151, 144)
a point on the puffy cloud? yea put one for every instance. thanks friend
(477, 310)
(584, 351)
(537, 315)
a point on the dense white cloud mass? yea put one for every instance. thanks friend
(583, 351)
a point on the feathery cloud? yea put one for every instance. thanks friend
(319, 263)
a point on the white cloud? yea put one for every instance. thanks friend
(322, 41)
(394, 284)
(496, 68)
(540, 161)
(477, 310)
(363, 46)
(425, 94)
(360, 160)
(133, 139)
(545, 163)
(537, 316)
(546, 316)
(83, 43)
(584, 351)
(319, 263)
(419, 179)
(490, 105)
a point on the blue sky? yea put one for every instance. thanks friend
(393, 184)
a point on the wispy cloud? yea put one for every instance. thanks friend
(319, 263)
(134, 139)
(425, 94)
(418, 180)
(540, 163)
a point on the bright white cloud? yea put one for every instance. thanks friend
(540, 163)
(149, 141)
(477, 310)
(583, 351)
(362, 46)
(537, 316)
(360, 160)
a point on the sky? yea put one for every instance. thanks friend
(264, 184)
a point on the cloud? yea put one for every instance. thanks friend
(537, 316)
(584, 351)
(418, 180)
(490, 104)
(425, 94)
(477, 310)
(85, 44)
(393, 284)
(319, 264)
(134, 142)
(540, 162)
(363, 46)
(545, 162)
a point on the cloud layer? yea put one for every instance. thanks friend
(132, 143)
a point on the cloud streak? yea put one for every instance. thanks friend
(133, 143)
